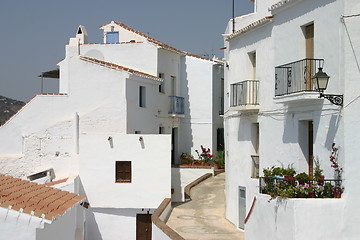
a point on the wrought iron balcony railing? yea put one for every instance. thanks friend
(297, 188)
(244, 93)
(176, 105)
(296, 76)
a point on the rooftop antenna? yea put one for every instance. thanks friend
(233, 15)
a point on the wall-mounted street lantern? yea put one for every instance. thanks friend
(321, 80)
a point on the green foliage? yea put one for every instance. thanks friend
(186, 158)
(220, 158)
(302, 176)
(317, 170)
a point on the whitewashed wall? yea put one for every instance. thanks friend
(296, 219)
(277, 43)
(112, 223)
(351, 75)
(181, 177)
(197, 125)
(68, 226)
(139, 56)
(142, 118)
(21, 226)
(151, 172)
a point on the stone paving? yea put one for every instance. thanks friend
(204, 216)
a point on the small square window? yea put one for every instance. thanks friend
(123, 171)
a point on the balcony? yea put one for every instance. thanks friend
(176, 106)
(245, 95)
(293, 81)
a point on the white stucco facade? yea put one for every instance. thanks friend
(111, 108)
(276, 128)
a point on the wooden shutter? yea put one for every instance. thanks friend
(309, 41)
(123, 171)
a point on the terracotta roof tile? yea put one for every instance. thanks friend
(158, 43)
(119, 68)
(32, 197)
(249, 27)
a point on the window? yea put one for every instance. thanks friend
(255, 138)
(162, 85)
(112, 37)
(123, 171)
(161, 130)
(142, 96)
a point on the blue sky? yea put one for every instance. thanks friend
(34, 33)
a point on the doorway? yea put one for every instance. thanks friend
(143, 227)
(242, 207)
(306, 143)
(174, 145)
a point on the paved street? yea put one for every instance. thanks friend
(204, 216)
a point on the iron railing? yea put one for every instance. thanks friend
(296, 76)
(176, 105)
(244, 93)
(323, 188)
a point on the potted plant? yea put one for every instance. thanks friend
(299, 191)
(205, 156)
(289, 174)
(220, 159)
(186, 159)
(337, 191)
(302, 178)
(268, 173)
(318, 172)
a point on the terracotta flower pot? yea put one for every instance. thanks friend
(337, 194)
(312, 194)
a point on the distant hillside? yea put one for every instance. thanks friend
(8, 107)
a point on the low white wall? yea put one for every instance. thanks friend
(290, 219)
(150, 163)
(112, 223)
(181, 177)
(16, 226)
(158, 234)
(64, 227)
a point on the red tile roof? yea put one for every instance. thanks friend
(35, 198)
(281, 4)
(249, 27)
(118, 67)
(158, 43)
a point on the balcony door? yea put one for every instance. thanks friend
(309, 46)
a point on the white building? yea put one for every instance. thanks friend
(102, 131)
(273, 114)
(36, 211)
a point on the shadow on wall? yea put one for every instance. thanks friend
(176, 185)
(333, 128)
(91, 227)
(185, 132)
